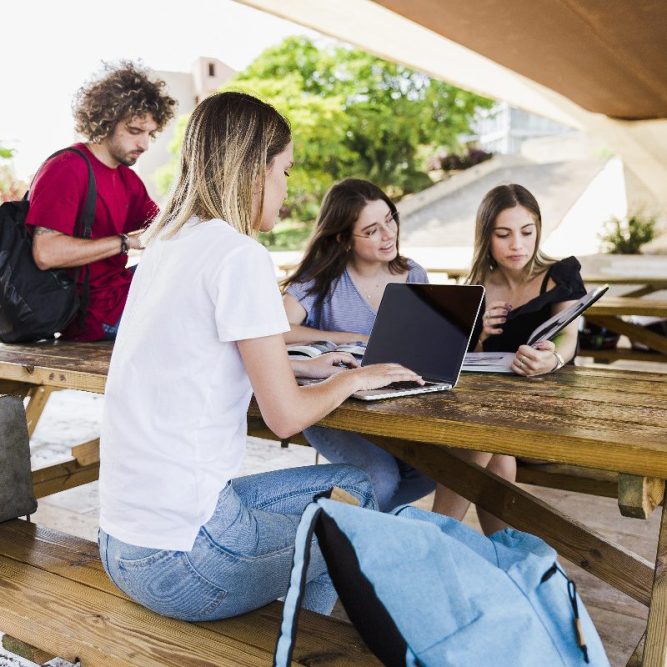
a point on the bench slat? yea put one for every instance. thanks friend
(321, 640)
(73, 620)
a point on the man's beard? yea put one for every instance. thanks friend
(129, 159)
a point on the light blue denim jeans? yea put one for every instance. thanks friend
(394, 482)
(242, 556)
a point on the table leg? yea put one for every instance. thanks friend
(655, 650)
(636, 657)
(37, 399)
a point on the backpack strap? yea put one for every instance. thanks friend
(303, 540)
(84, 225)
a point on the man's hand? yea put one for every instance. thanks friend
(134, 239)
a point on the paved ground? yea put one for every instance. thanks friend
(451, 221)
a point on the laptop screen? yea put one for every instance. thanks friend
(426, 328)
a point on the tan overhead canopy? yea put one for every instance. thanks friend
(608, 56)
(598, 65)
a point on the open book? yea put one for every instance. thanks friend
(316, 348)
(500, 362)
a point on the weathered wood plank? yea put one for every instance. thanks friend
(61, 476)
(639, 496)
(543, 419)
(626, 353)
(610, 562)
(627, 305)
(321, 640)
(637, 655)
(655, 648)
(70, 619)
(13, 387)
(37, 399)
(25, 650)
(569, 478)
(87, 453)
(632, 331)
(59, 364)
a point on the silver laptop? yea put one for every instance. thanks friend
(426, 328)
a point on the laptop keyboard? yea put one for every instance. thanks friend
(408, 385)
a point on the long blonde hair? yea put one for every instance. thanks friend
(230, 140)
(494, 203)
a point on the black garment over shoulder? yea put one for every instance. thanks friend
(523, 320)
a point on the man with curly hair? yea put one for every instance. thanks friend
(118, 114)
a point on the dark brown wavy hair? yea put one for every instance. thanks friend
(494, 203)
(330, 247)
(125, 91)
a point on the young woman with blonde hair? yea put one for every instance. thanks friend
(524, 288)
(202, 330)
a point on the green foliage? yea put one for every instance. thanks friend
(353, 115)
(626, 236)
(11, 187)
(286, 235)
(5, 153)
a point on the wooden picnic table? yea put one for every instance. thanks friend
(592, 417)
(598, 418)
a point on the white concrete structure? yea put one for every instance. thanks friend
(205, 77)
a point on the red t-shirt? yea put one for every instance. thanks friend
(57, 198)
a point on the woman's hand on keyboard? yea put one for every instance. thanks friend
(323, 366)
(377, 376)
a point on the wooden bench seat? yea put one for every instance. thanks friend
(54, 595)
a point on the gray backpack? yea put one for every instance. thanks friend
(16, 493)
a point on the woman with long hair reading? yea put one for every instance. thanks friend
(203, 330)
(524, 288)
(334, 294)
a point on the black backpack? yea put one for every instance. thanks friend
(36, 304)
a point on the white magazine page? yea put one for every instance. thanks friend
(558, 322)
(488, 362)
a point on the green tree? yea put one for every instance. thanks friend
(357, 115)
(354, 114)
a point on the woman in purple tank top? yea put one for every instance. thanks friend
(334, 295)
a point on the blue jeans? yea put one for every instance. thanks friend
(394, 482)
(242, 556)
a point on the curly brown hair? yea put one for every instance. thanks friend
(125, 91)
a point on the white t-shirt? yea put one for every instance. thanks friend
(175, 425)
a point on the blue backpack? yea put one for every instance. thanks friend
(425, 590)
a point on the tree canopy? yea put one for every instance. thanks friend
(354, 114)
